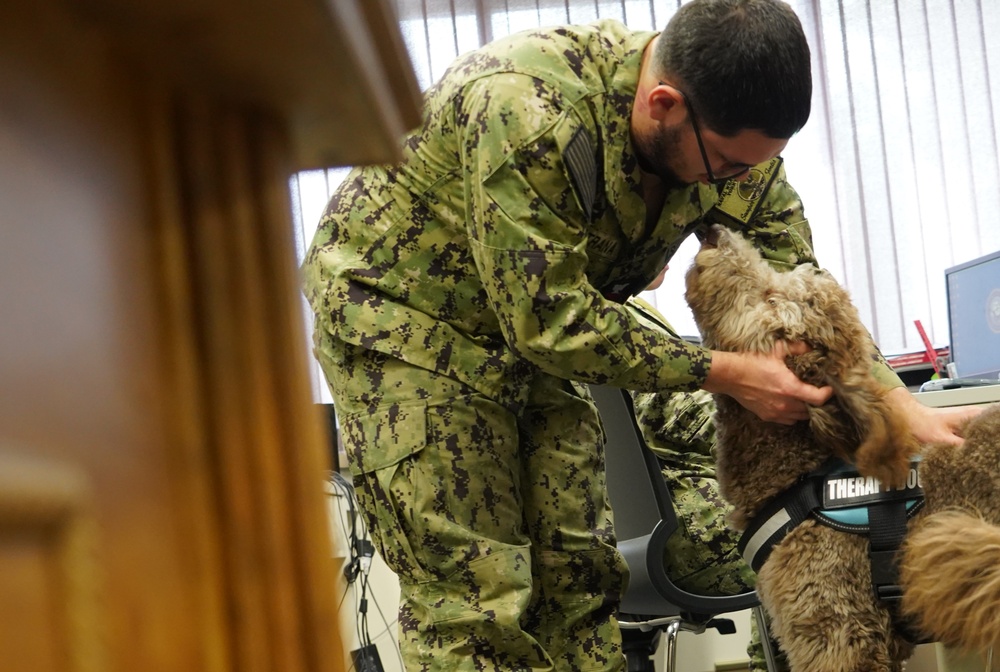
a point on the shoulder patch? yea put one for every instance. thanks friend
(741, 199)
(579, 159)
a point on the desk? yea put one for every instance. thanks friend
(962, 396)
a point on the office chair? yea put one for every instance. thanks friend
(645, 519)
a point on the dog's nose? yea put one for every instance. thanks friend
(712, 236)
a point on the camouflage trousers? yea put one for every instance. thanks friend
(496, 522)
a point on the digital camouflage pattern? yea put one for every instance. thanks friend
(496, 523)
(475, 257)
(495, 257)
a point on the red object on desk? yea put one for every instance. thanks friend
(929, 349)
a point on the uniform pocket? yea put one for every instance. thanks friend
(383, 446)
(497, 583)
(677, 426)
(380, 439)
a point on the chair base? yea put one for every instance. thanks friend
(640, 640)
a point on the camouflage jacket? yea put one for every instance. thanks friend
(506, 239)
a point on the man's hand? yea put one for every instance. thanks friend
(932, 425)
(764, 385)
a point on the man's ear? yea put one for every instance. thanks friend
(666, 104)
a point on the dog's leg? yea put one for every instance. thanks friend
(861, 427)
(967, 476)
(816, 586)
(950, 568)
(889, 444)
(950, 572)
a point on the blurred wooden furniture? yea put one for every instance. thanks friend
(161, 460)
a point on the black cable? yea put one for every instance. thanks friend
(367, 641)
(345, 490)
(360, 549)
(354, 561)
(341, 491)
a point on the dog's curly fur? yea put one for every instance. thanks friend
(816, 584)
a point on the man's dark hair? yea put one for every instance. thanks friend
(743, 64)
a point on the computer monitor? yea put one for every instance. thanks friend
(973, 291)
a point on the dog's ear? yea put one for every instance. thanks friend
(886, 443)
(861, 427)
(858, 424)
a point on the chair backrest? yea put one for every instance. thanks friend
(645, 518)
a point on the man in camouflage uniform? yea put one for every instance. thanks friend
(459, 293)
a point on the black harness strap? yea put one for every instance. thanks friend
(781, 515)
(886, 530)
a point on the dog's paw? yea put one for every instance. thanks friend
(891, 470)
(886, 453)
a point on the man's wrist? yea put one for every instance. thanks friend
(721, 372)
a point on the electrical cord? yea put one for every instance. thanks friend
(346, 490)
(361, 550)
(352, 569)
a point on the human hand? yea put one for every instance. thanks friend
(763, 384)
(932, 425)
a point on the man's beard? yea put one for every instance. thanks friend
(654, 151)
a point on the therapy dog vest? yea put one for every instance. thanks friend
(837, 496)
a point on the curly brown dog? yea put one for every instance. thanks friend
(816, 584)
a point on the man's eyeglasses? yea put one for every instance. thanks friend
(733, 170)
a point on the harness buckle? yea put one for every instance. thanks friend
(889, 593)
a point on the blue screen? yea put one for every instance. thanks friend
(974, 316)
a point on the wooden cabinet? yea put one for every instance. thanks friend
(161, 460)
